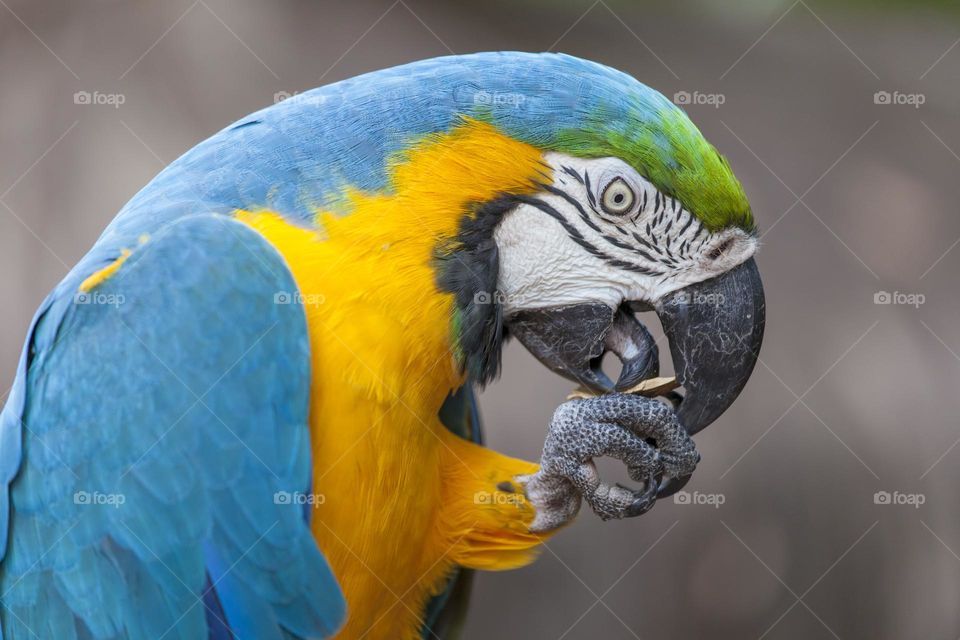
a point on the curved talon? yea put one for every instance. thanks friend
(669, 486)
(643, 433)
(644, 500)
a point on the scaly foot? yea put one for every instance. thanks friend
(641, 432)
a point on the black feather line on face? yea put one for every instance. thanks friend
(586, 183)
(573, 173)
(575, 235)
(468, 266)
(575, 203)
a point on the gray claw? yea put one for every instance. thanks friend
(618, 426)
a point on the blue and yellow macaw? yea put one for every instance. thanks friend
(247, 412)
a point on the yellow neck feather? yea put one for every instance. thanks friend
(382, 351)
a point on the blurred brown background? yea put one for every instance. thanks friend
(856, 193)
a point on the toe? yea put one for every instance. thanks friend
(644, 500)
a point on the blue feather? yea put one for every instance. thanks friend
(128, 400)
(185, 429)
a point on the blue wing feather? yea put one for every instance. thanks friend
(154, 427)
(76, 419)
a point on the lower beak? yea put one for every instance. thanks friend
(572, 341)
(714, 329)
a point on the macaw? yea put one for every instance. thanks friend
(248, 411)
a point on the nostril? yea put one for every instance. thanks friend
(720, 249)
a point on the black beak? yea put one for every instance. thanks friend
(571, 341)
(714, 328)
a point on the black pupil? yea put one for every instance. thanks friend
(618, 198)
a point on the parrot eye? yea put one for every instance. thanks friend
(618, 197)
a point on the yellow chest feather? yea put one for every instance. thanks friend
(397, 512)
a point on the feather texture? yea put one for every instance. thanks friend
(140, 493)
(415, 145)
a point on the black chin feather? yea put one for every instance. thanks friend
(468, 266)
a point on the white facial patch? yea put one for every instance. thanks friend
(603, 233)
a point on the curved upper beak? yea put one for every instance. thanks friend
(714, 329)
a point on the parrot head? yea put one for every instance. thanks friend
(554, 197)
(634, 211)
